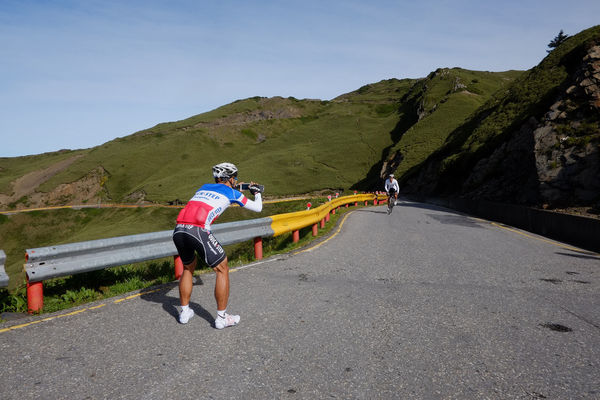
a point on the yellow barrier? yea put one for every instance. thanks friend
(284, 223)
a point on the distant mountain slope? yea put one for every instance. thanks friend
(290, 145)
(537, 142)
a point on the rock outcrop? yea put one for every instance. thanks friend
(563, 147)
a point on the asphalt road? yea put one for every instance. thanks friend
(424, 303)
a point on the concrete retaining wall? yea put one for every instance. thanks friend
(578, 231)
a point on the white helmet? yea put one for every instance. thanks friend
(224, 170)
(391, 175)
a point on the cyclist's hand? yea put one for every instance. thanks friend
(256, 188)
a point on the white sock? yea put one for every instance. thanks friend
(221, 313)
(185, 308)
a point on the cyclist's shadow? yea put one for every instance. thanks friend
(170, 303)
(372, 211)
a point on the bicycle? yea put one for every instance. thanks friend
(391, 201)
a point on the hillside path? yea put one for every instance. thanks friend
(423, 304)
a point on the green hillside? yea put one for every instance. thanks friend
(291, 146)
(445, 100)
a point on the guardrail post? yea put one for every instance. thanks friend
(35, 296)
(327, 218)
(315, 229)
(323, 223)
(295, 236)
(178, 267)
(258, 248)
(333, 211)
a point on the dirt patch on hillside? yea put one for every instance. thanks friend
(25, 194)
(87, 190)
(28, 183)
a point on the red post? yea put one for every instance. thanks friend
(178, 267)
(323, 223)
(347, 205)
(35, 296)
(366, 203)
(327, 217)
(333, 211)
(295, 236)
(258, 249)
(315, 229)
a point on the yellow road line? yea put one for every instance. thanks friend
(74, 312)
(564, 246)
(329, 238)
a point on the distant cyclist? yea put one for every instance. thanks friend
(392, 189)
(192, 235)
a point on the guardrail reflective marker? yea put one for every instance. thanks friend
(35, 296)
(258, 248)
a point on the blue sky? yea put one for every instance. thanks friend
(76, 74)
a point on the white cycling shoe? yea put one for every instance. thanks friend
(229, 320)
(185, 316)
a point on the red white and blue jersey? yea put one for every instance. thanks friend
(210, 201)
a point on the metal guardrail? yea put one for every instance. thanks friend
(69, 259)
(3, 276)
(74, 258)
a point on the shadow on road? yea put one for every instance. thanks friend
(585, 255)
(425, 206)
(371, 211)
(170, 303)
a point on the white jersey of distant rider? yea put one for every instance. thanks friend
(393, 185)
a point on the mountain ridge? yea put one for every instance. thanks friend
(319, 144)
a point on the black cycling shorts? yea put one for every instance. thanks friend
(190, 238)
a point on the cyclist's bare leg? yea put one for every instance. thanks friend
(186, 283)
(222, 285)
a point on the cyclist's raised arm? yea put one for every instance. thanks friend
(254, 205)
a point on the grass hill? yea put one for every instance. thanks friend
(291, 146)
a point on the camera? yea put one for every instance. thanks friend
(246, 186)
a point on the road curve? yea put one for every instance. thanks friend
(425, 303)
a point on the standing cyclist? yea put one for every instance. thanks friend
(192, 235)
(392, 189)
